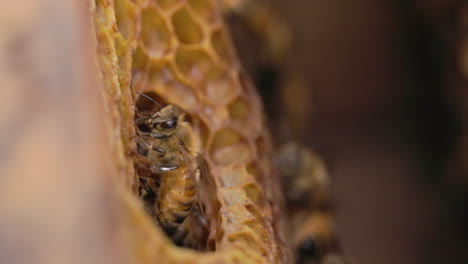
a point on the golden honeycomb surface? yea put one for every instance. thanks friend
(180, 52)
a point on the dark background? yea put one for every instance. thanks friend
(383, 117)
(384, 114)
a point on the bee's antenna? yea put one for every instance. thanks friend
(151, 99)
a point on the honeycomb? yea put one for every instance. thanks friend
(264, 39)
(180, 52)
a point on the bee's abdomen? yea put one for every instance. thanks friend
(175, 200)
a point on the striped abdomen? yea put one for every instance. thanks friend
(175, 199)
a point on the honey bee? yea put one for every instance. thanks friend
(315, 237)
(304, 176)
(167, 156)
(307, 187)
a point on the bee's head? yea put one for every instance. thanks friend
(164, 123)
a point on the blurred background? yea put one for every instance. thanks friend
(378, 88)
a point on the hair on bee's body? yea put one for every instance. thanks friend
(167, 152)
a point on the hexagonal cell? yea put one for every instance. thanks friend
(162, 80)
(155, 34)
(248, 239)
(253, 170)
(229, 148)
(232, 176)
(239, 109)
(205, 9)
(194, 63)
(138, 69)
(257, 213)
(226, 137)
(222, 45)
(252, 192)
(126, 18)
(139, 60)
(186, 27)
(219, 86)
(235, 214)
(233, 196)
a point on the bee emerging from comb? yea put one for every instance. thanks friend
(175, 182)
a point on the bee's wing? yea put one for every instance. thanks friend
(186, 156)
(204, 182)
(207, 199)
(207, 187)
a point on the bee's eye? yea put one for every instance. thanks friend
(168, 125)
(144, 128)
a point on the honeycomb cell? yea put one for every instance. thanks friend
(219, 86)
(255, 212)
(221, 44)
(238, 109)
(126, 18)
(140, 60)
(228, 148)
(204, 9)
(226, 137)
(162, 80)
(194, 63)
(138, 71)
(236, 214)
(252, 192)
(246, 238)
(155, 35)
(186, 27)
(232, 177)
(233, 196)
(253, 170)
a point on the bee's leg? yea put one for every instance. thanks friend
(146, 192)
(143, 147)
(159, 150)
(141, 161)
